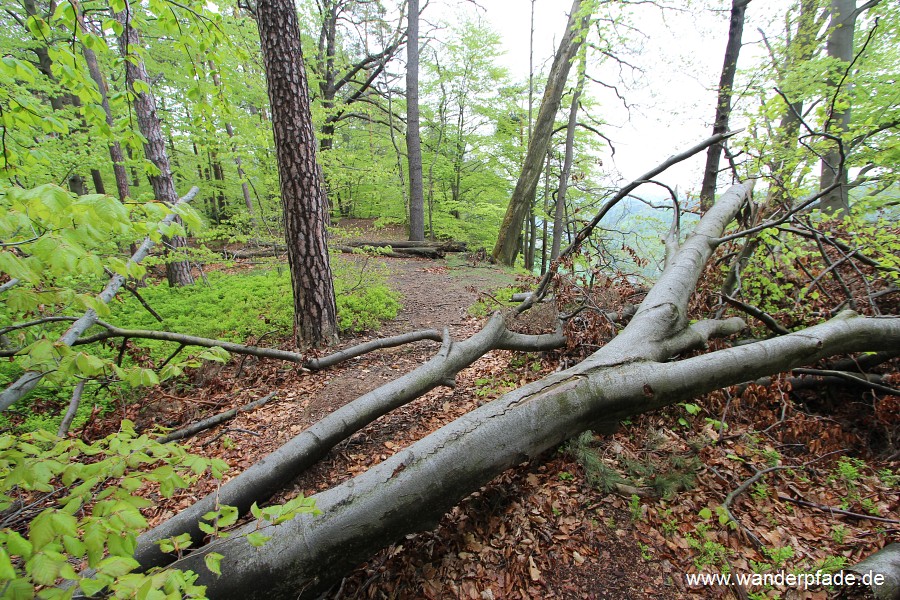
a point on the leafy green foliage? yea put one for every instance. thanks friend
(238, 306)
(67, 502)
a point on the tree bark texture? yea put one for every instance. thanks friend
(723, 104)
(840, 48)
(115, 149)
(633, 374)
(413, 141)
(523, 195)
(178, 272)
(303, 199)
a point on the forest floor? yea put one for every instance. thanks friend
(541, 530)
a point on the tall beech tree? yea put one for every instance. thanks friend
(520, 203)
(303, 199)
(413, 141)
(840, 48)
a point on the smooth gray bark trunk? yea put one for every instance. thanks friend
(272, 473)
(559, 213)
(839, 47)
(413, 141)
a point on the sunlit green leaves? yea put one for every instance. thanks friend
(105, 533)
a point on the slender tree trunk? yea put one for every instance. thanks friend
(245, 187)
(303, 198)
(840, 47)
(523, 196)
(178, 272)
(115, 149)
(802, 47)
(97, 180)
(723, 105)
(413, 142)
(544, 254)
(567, 163)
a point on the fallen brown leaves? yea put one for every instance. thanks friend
(540, 531)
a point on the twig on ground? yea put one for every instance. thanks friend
(199, 426)
(836, 511)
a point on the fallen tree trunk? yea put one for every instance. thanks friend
(29, 380)
(448, 246)
(884, 563)
(264, 478)
(423, 252)
(632, 374)
(398, 252)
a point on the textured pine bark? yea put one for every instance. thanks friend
(177, 272)
(303, 198)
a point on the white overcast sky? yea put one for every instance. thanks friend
(681, 58)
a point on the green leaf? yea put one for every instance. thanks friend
(18, 545)
(257, 539)
(212, 560)
(7, 572)
(117, 566)
(228, 515)
(140, 87)
(41, 531)
(206, 528)
(64, 524)
(44, 569)
(91, 587)
(705, 513)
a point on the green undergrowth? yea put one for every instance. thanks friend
(238, 307)
(254, 308)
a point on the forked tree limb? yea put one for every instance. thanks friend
(29, 380)
(269, 475)
(586, 231)
(412, 490)
(313, 364)
(633, 374)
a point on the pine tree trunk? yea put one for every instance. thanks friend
(523, 196)
(303, 199)
(413, 142)
(178, 272)
(723, 106)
